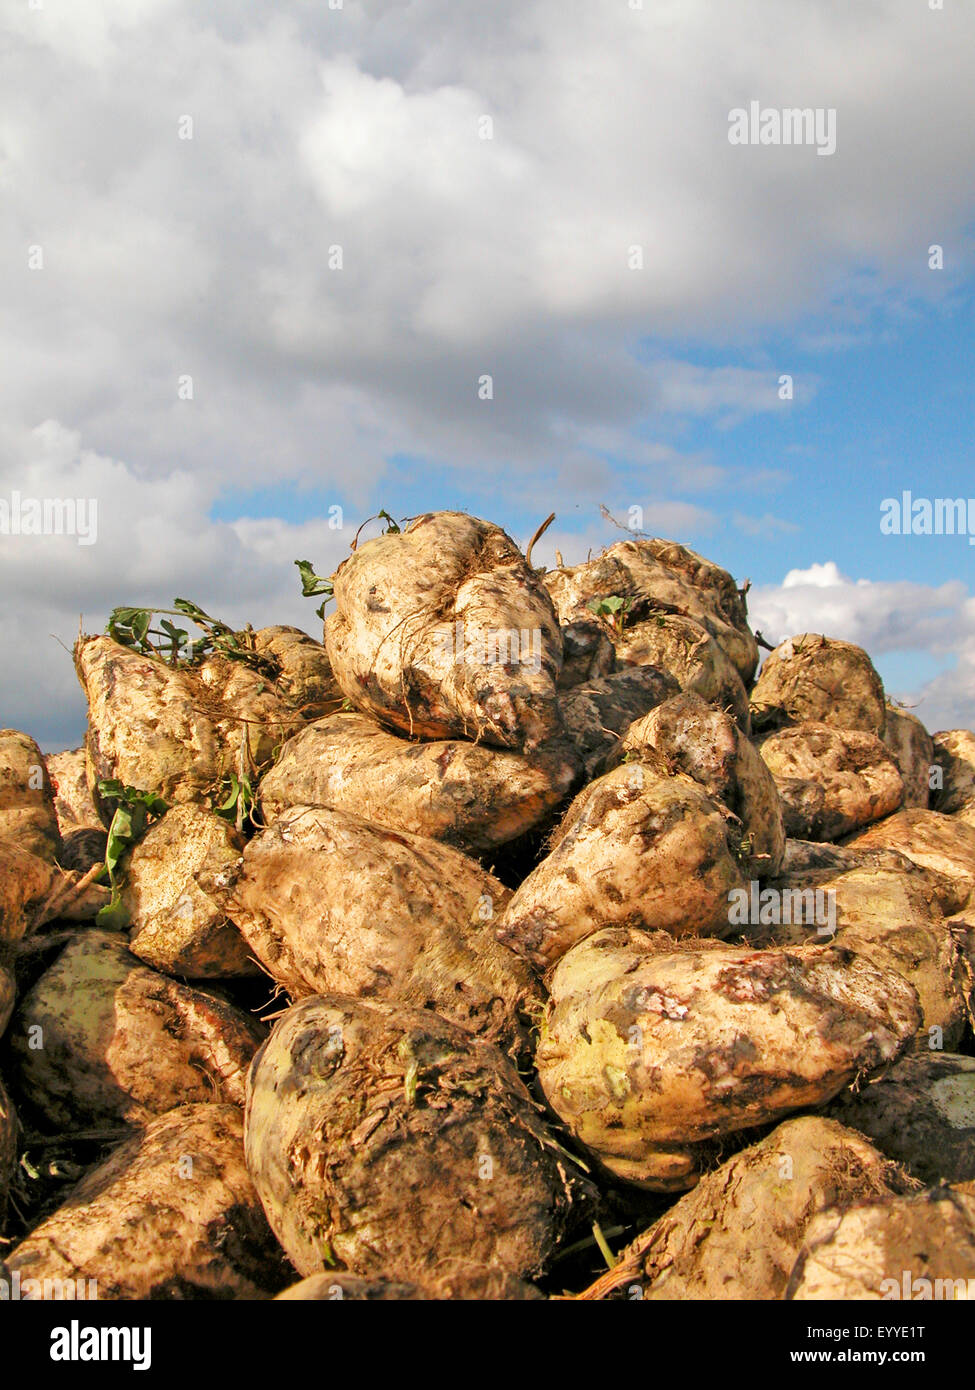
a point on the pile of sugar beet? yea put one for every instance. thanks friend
(537, 949)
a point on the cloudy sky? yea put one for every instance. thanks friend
(257, 260)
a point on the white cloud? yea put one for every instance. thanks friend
(816, 576)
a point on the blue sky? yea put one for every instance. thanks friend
(187, 174)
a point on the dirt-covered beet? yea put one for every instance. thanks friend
(935, 841)
(653, 1049)
(587, 653)
(172, 882)
(305, 679)
(332, 904)
(687, 651)
(8, 1148)
(25, 881)
(26, 797)
(954, 756)
(657, 578)
(464, 794)
(817, 678)
(443, 630)
(708, 745)
(899, 923)
(74, 805)
(102, 1037)
(913, 749)
(338, 1287)
(921, 1112)
(8, 994)
(177, 732)
(34, 891)
(394, 1144)
(598, 712)
(803, 855)
(83, 836)
(82, 848)
(831, 781)
(892, 917)
(637, 847)
(170, 1214)
(917, 1247)
(807, 856)
(738, 1233)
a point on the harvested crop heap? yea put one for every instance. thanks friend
(514, 941)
